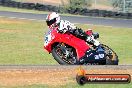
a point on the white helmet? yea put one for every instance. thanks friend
(52, 19)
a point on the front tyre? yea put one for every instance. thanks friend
(61, 57)
(111, 56)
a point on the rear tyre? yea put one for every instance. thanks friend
(111, 56)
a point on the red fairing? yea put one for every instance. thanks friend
(80, 45)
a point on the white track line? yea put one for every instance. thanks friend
(44, 20)
(22, 18)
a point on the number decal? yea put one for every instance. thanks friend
(96, 57)
(99, 56)
(48, 38)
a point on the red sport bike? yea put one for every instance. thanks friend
(68, 49)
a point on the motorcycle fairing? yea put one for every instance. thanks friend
(79, 45)
(94, 56)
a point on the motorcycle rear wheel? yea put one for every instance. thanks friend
(111, 56)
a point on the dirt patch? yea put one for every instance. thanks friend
(52, 77)
(29, 77)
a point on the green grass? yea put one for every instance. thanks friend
(97, 86)
(21, 42)
(28, 86)
(74, 85)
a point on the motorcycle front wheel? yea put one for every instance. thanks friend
(60, 56)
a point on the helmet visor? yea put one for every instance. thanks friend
(49, 23)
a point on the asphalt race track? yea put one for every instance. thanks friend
(74, 19)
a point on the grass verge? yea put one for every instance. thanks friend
(21, 42)
(28, 86)
(74, 85)
(98, 86)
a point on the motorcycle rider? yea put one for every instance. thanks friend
(53, 20)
